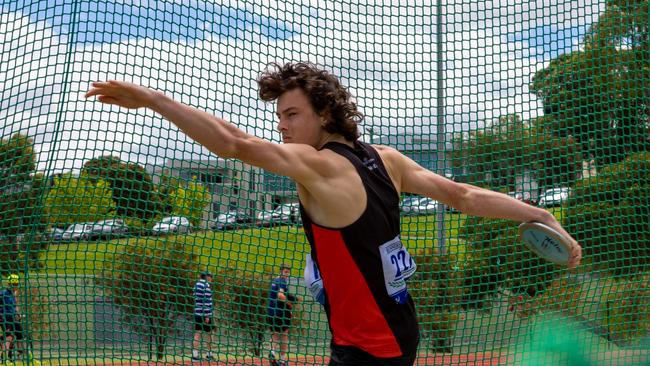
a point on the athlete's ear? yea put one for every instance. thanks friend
(324, 118)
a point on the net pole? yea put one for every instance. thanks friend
(440, 128)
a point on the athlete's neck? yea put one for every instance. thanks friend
(334, 138)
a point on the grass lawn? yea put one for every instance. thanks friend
(249, 248)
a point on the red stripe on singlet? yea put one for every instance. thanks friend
(355, 317)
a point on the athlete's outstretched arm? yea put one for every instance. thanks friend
(413, 178)
(297, 161)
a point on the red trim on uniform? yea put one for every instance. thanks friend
(355, 317)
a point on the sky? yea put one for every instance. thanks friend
(208, 55)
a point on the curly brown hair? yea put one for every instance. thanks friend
(327, 96)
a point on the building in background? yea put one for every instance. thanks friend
(232, 185)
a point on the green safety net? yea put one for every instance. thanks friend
(109, 216)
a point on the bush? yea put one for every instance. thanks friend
(627, 310)
(497, 258)
(609, 215)
(151, 282)
(436, 290)
(37, 308)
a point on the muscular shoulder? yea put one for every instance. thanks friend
(393, 161)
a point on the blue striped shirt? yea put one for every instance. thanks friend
(203, 298)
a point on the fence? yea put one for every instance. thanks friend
(108, 215)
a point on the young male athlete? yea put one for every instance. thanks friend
(349, 193)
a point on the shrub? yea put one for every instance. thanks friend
(436, 290)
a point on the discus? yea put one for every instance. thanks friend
(544, 241)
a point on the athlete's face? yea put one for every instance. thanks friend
(298, 122)
(285, 272)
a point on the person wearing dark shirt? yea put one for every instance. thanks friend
(14, 335)
(203, 312)
(339, 179)
(279, 315)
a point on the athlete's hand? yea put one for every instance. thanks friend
(123, 94)
(576, 249)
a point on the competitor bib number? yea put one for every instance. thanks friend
(313, 280)
(398, 267)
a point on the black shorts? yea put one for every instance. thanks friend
(10, 326)
(201, 325)
(279, 323)
(352, 356)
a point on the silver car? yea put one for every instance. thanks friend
(284, 213)
(172, 225)
(409, 204)
(554, 197)
(107, 229)
(425, 206)
(79, 231)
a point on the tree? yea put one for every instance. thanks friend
(609, 215)
(557, 160)
(132, 187)
(600, 94)
(151, 282)
(21, 191)
(190, 201)
(78, 199)
(495, 156)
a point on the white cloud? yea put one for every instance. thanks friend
(385, 54)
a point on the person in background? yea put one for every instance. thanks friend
(203, 311)
(14, 335)
(279, 315)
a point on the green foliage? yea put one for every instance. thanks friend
(627, 309)
(132, 187)
(78, 199)
(609, 215)
(151, 282)
(557, 160)
(560, 295)
(35, 304)
(499, 260)
(21, 190)
(436, 290)
(136, 226)
(599, 95)
(17, 161)
(189, 201)
(496, 155)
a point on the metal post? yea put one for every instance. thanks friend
(440, 127)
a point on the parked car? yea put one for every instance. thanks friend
(425, 206)
(522, 196)
(79, 231)
(409, 203)
(286, 213)
(230, 220)
(56, 234)
(554, 197)
(172, 225)
(107, 229)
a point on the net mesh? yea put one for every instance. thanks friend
(109, 216)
